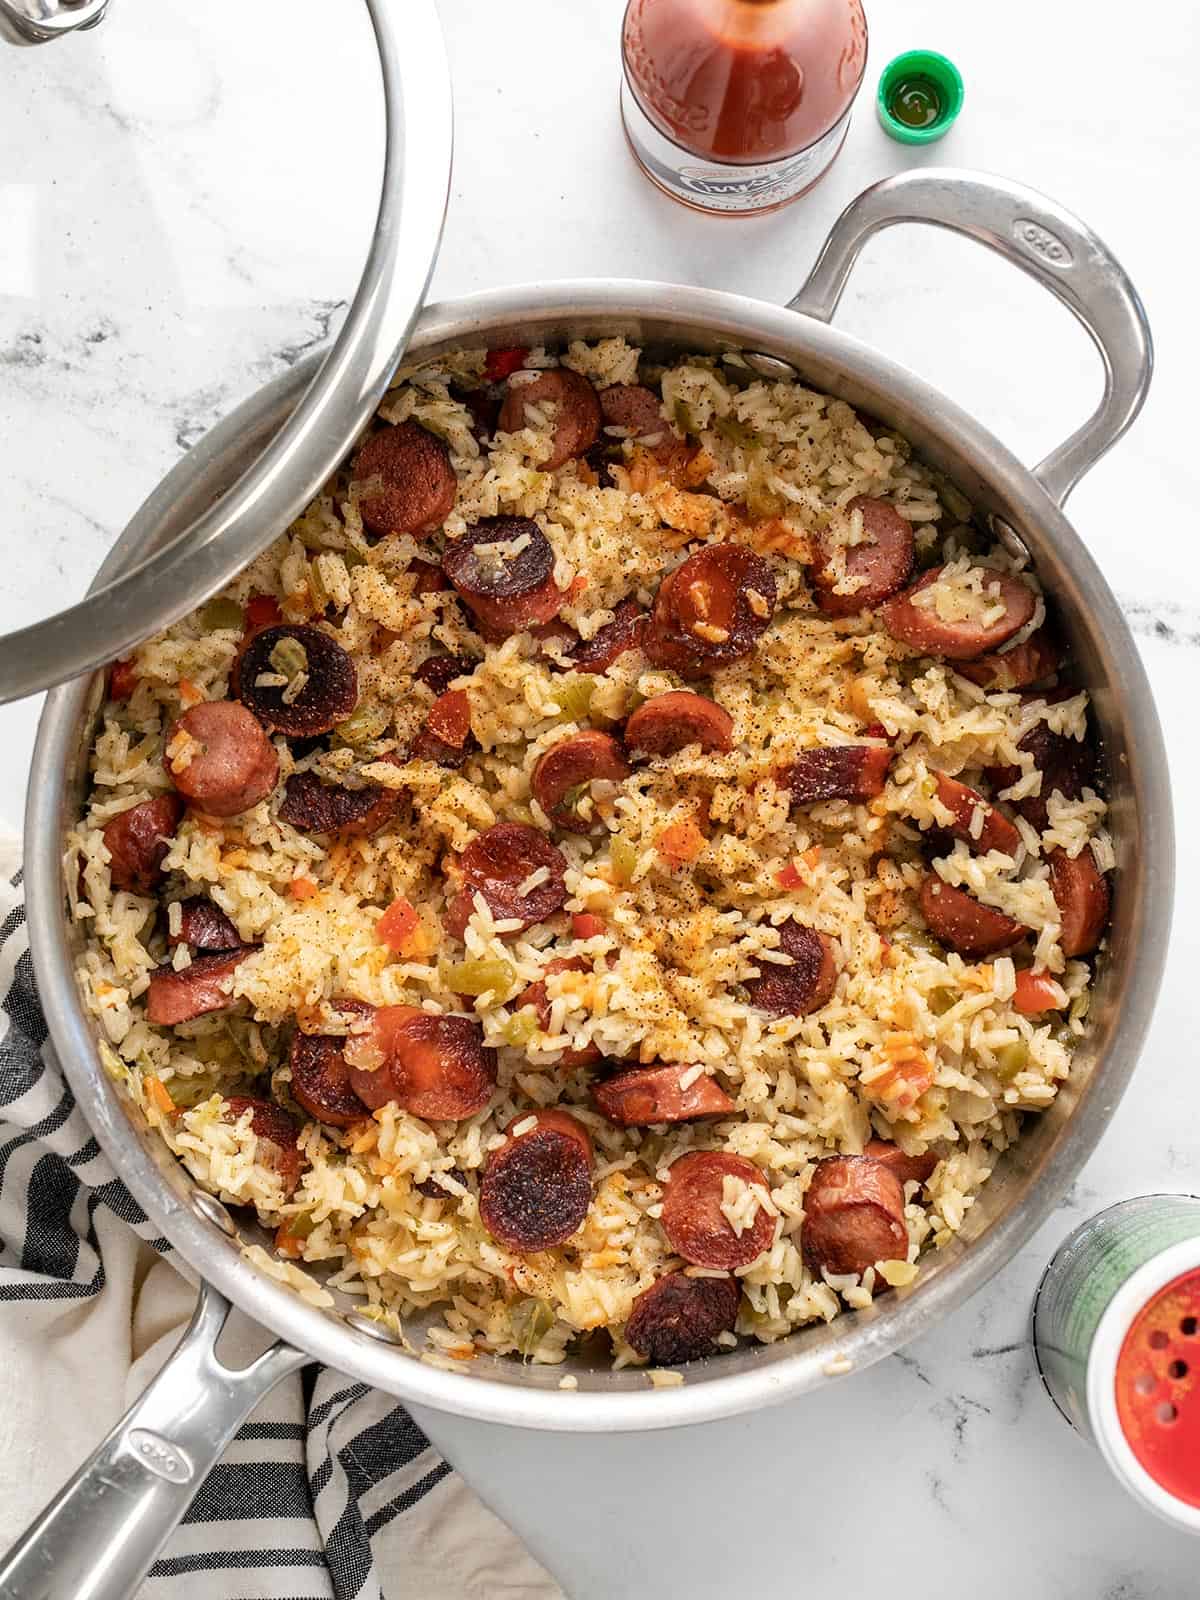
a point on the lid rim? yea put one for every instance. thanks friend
(343, 395)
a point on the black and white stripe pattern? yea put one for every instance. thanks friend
(324, 1488)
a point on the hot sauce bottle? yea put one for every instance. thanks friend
(737, 106)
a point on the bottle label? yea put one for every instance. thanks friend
(719, 185)
(1085, 1274)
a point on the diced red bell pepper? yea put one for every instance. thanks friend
(586, 925)
(450, 717)
(122, 679)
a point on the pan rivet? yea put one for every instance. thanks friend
(1009, 538)
(211, 1209)
(369, 1326)
(769, 366)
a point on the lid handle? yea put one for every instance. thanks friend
(342, 397)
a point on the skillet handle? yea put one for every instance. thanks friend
(1044, 240)
(99, 1536)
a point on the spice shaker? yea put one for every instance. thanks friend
(1116, 1331)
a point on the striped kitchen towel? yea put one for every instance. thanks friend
(329, 1492)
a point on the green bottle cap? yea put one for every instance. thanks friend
(920, 95)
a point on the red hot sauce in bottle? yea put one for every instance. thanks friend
(738, 106)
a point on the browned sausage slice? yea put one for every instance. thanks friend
(436, 1067)
(884, 561)
(179, 996)
(228, 764)
(837, 772)
(577, 414)
(1029, 662)
(996, 833)
(678, 1318)
(537, 1187)
(692, 1218)
(276, 1133)
(561, 1121)
(321, 1080)
(562, 777)
(496, 864)
(416, 483)
(535, 995)
(807, 984)
(317, 807)
(919, 1168)
(965, 924)
(330, 687)
(1067, 766)
(671, 721)
(711, 610)
(906, 618)
(137, 841)
(853, 1216)
(503, 567)
(204, 926)
(438, 672)
(1080, 891)
(639, 411)
(627, 631)
(656, 1094)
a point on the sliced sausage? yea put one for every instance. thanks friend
(692, 1218)
(427, 577)
(561, 1121)
(137, 841)
(711, 610)
(416, 483)
(1080, 891)
(428, 747)
(576, 417)
(537, 1187)
(562, 777)
(276, 1133)
(180, 996)
(535, 995)
(204, 926)
(230, 764)
(1067, 766)
(853, 1216)
(961, 922)
(639, 411)
(884, 561)
(433, 1190)
(807, 984)
(438, 672)
(1032, 661)
(996, 832)
(330, 690)
(655, 1094)
(497, 864)
(503, 567)
(837, 772)
(668, 722)
(907, 1168)
(626, 632)
(920, 626)
(678, 1318)
(436, 1067)
(321, 1080)
(317, 807)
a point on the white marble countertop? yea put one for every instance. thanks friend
(186, 200)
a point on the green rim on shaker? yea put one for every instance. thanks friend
(920, 95)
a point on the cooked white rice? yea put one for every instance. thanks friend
(780, 465)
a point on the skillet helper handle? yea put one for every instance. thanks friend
(98, 1537)
(1044, 240)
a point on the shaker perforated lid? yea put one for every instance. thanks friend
(343, 395)
(1158, 1387)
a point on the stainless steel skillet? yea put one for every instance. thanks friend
(105, 1528)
